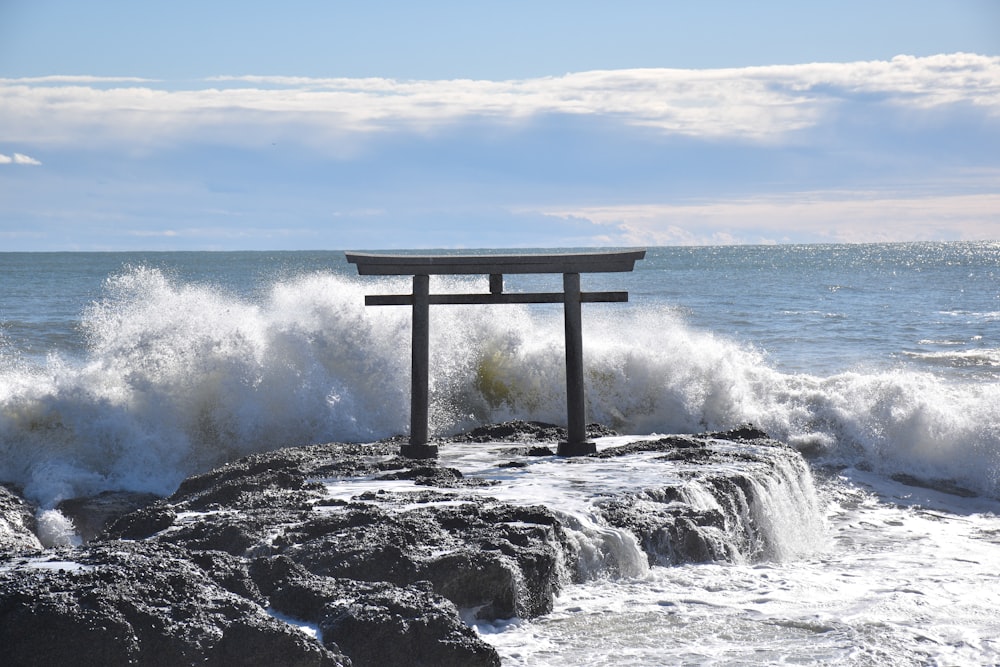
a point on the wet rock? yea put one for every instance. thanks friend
(671, 532)
(745, 433)
(498, 559)
(229, 572)
(142, 523)
(537, 450)
(244, 533)
(948, 486)
(527, 431)
(432, 475)
(378, 576)
(380, 624)
(92, 515)
(17, 523)
(131, 603)
(376, 623)
(673, 526)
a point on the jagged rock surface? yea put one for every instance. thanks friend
(130, 603)
(380, 576)
(525, 431)
(673, 530)
(501, 560)
(375, 622)
(91, 515)
(17, 523)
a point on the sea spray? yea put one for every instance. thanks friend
(789, 511)
(891, 422)
(879, 362)
(56, 530)
(181, 376)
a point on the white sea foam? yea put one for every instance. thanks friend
(780, 519)
(988, 358)
(179, 377)
(905, 581)
(876, 360)
(56, 530)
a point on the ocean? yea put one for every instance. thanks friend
(879, 363)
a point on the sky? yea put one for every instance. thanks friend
(383, 125)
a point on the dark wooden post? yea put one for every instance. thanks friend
(576, 442)
(421, 267)
(419, 365)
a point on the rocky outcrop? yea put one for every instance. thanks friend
(18, 530)
(383, 579)
(376, 623)
(131, 603)
(717, 510)
(493, 559)
(524, 431)
(90, 516)
(340, 554)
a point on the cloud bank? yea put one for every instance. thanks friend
(902, 149)
(830, 217)
(757, 103)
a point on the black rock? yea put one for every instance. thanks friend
(130, 603)
(211, 574)
(142, 523)
(92, 515)
(942, 485)
(17, 523)
(670, 529)
(522, 431)
(496, 558)
(376, 623)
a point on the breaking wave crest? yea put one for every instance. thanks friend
(180, 377)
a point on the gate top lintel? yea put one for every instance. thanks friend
(421, 267)
(374, 264)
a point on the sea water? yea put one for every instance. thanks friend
(880, 363)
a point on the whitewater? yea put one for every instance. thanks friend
(878, 363)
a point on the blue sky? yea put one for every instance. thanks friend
(299, 125)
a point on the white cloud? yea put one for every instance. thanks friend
(836, 217)
(76, 79)
(922, 131)
(753, 103)
(25, 159)
(18, 158)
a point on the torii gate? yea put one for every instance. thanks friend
(421, 267)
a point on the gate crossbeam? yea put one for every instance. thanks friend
(421, 267)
